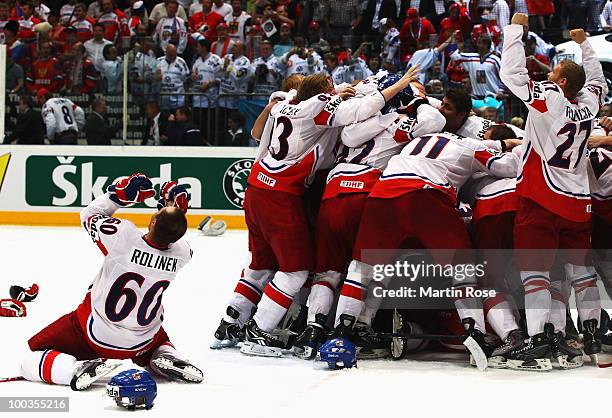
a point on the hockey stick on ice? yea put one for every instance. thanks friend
(11, 379)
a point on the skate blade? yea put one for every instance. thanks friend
(565, 363)
(305, 353)
(218, 344)
(85, 381)
(257, 350)
(494, 362)
(372, 354)
(537, 365)
(189, 374)
(475, 350)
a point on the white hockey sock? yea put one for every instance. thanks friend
(537, 300)
(500, 315)
(354, 289)
(557, 306)
(584, 282)
(49, 366)
(469, 307)
(372, 303)
(277, 298)
(248, 292)
(322, 293)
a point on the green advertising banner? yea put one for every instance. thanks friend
(47, 185)
(214, 183)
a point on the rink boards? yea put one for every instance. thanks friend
(49, 185)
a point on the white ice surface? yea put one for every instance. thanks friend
(63, 261)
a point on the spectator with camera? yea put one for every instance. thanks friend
(266, 70)
(301, 60)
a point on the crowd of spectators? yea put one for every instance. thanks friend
(196, 60)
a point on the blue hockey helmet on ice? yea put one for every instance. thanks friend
(338, 353)
(400, 100)
(132, 389)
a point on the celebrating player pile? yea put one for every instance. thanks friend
(121, 316)
(403, 164)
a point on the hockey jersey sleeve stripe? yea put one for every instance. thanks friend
(325, 116)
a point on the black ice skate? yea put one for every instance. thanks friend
(228, 334)
(567, 355)
(513, 341)
(369, 344)
(344, 329)
(177, 369)
(261, 343)
(312, 337)
(89, 372)
(534, 353)
(591, 337)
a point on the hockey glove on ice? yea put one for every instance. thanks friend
(12, 308)
(24, 295)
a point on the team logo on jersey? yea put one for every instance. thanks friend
(235, 181)
(4, 161)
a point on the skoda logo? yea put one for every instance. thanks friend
(235, 181)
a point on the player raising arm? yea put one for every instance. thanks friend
(121, 315)
(304, 132)
(553, 188)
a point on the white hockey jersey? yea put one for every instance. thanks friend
(600, 181)
(166, 28)
(235, 80)
(123, 309)
(476, 127)
(61, 115)
(295, 65)
(303, 136)
(554, 166)
(271, 82)
(483, 73)
(206, 70)
(237, 25)
(442, 161)
(368, 146)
